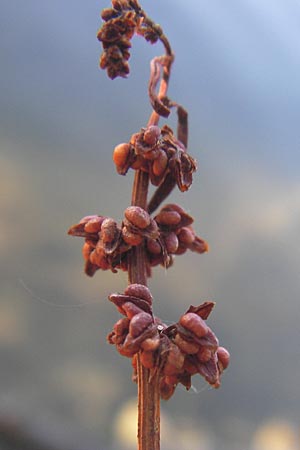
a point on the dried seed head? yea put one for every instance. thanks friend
(139, 291)
(137, 216)
(194, 323)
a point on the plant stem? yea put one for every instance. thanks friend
(148, 386)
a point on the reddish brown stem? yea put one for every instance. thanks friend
(148, 387)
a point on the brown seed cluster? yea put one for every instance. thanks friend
(121, 22)
(156, 151)
(176, 352)
(107, 244)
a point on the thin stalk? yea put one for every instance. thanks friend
(148, 386)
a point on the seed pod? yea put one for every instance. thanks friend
(121, 327)
(204, 354)
(166, 390)
(223, 358)
(137, 216)
(186, 346)
(190, 366)
(194, 323)
(131, 309)
(153, 246)
(151, 344)
(137, 163)
(131, 238)
(109, 229)
(186, 236)
(125, 350)
(147, 359)
(89, 268)
(160, 164)
(86, 251)
(151, 135)
(175, 360)
(121, 157)
(139, 323)
(139, 291)
(94, 224)
(199, 245)
(99, 260)
(152, 155)
(168, 218)
(171, 242)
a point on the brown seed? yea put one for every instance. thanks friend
(151, 344)
(175, 357)
(186, 236)
(153, 246)
(168, 218)
(199, 245)
(166, 390)
(204, 354)
(138, 163)
(108, 230)
(86, 251)
(121, 326)
(121, 154)
(171, 242)
(137, 216)
(147, 359)
(223, 357)
(139, 291)
(131, 309)
(94, 224)
(190, 366)
(131, 238)
(194, 323)
(151, 135)
(139, 323)
(160, 164)
(99, 260)
(185, 346)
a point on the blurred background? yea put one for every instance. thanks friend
(237, 72)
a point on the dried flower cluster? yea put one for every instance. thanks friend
(107, 245)
(176, 352)
(162, 356)
(122, 21)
